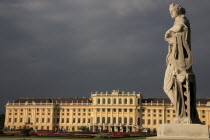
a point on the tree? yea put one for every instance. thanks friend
(84, 128)
(2, 119)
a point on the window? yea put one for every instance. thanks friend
(109, 101)
(98, 109)
(15, 120)
(125, 120)
(78, 121)
(125, 110)
(74, 110)
(120, 110)
(120, 101)
(67, 110)
(43, 109)
(29, 120)
(115, 101)
(108, 120)
(83, 120)
(48, 109)
(37, 120)
(108, 109)
(154, 110)
(148, 121)
(120, 120)
(48, 120)
(88, 120)
(42, 120)
(103, 109)
(78, 110)
(138, 110)
(62, 121)
(37, 109)
(168, 121)
(125, 101)
(160, 115)
(67, 120)
(131, 110)
(160, 111)
(103, 120)
(160, 121)
(84, 110)
(58, 120)
(154, 115)
(98, 101)
(73, 121)
(42, 127)
(148, 110)
(203, 116)
(168, 111)
(139, 121)
(114, 110)
(104, 101)
(78, 114)
(131, 101)
(98, 120)
(131, 121)
(154, 122)
(139, 101)
(21, 120)
(203, 111)
(114, 120)
(143, 121)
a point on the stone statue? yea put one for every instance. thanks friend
(179, 81)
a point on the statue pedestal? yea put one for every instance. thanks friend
(182, 131)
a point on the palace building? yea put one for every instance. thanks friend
(114, 112)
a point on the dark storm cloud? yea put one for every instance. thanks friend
(70, 48)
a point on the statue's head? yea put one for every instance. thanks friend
(176, 10)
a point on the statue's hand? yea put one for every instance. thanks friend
(167, 35)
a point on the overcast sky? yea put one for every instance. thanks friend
(69, 48)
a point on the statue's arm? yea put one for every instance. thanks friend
(178, 27)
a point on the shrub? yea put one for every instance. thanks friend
(1, 132)
(25, 132)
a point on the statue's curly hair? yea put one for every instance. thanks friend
(179, 8)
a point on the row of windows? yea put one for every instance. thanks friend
(115, 110)
(57, 120)
(45, 128)
(114, 101)
(114, 120)
(58, 110)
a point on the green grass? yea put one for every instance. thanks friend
(95, 138)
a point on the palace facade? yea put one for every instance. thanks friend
(114, 112)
